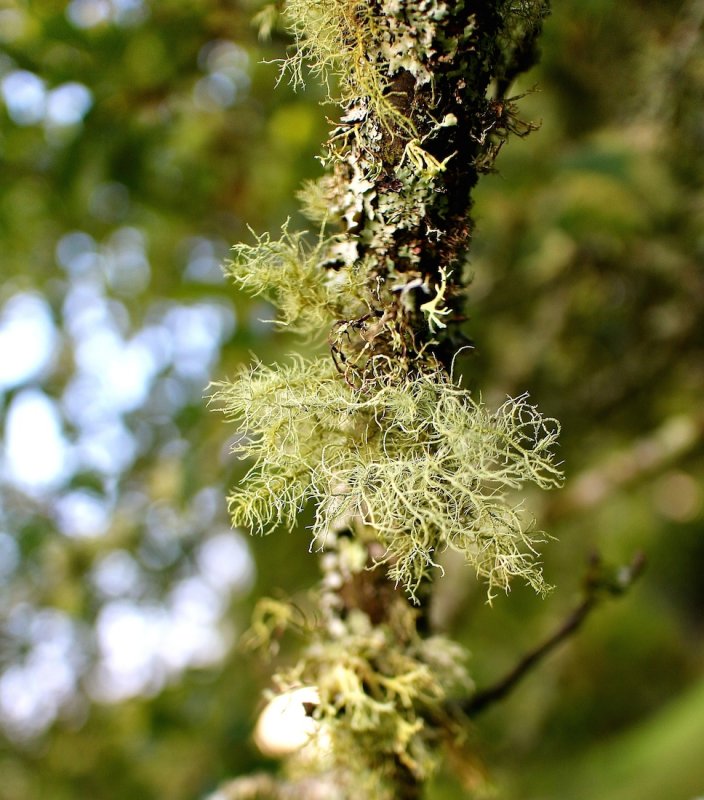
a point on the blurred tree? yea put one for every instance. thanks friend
(135, 138)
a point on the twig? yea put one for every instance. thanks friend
(597, 586)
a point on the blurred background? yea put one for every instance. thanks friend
(137, 141)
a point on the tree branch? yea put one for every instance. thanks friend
(597, 586)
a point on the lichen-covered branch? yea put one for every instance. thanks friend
(382, 430)
(400, 462)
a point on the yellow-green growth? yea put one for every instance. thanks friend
(382, 690)
(354, 49)
(288, 273)
(420, 462)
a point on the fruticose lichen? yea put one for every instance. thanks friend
(379, 692)
(419, 462)
(288, 273)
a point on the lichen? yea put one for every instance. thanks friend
(375, 696)
(398, 460)
(380, 690)
(420, 462)
(355, 48)
(288, 272)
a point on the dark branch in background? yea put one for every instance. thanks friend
(598, 585)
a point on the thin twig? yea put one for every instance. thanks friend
(597, 586)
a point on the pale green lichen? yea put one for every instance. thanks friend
(289, 273)
(334, 38)
(426, 165)
(360, 47)
(419, 461)
(318, 198)
(381, 692)
(265, 20)
(435, 308)
(375, 696)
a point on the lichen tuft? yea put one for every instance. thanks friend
(420, 462)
